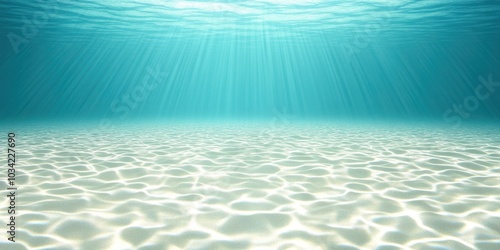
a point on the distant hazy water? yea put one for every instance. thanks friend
(240, 59)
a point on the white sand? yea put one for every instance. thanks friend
(308, 186)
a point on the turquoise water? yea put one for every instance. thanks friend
(268, 124)
(249, 59)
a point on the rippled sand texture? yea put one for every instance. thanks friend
(309, 186)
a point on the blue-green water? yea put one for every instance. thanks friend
(268, 124)
(123, 60)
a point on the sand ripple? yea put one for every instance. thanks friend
(307, 186)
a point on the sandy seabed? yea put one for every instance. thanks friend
(236, 186)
